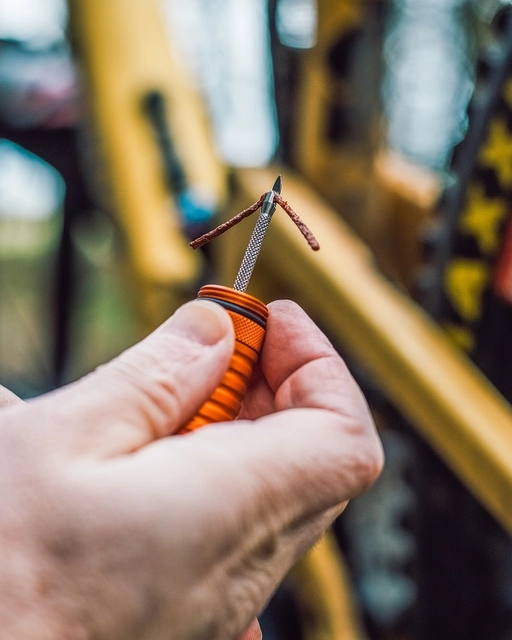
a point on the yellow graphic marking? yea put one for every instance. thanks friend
(460, 336)
(507, 93)
(482, 218)
(465, 281)
(497, 151)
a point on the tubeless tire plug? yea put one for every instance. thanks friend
(248, 314)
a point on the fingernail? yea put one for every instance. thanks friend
(200, 321)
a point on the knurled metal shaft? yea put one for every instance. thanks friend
(258, 235)
(252, 252)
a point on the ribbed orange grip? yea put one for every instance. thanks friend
(249, 316)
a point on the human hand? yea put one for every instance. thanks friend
(111, 530)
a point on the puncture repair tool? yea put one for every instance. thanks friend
(248, 314)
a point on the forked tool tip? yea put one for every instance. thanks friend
(278, 184)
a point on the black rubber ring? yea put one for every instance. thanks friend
(238, 309)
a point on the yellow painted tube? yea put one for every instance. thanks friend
(124, 51)
(442, 393)
(324, 594)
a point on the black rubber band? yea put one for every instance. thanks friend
(238, 309)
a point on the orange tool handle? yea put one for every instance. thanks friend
(249, 316)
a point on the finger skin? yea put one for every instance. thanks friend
(148, 392)
(186, 536)
(8, 398)
(295, 369)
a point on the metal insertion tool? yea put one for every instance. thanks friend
(258, 235)
(249, 316)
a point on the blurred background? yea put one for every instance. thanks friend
(128, 129)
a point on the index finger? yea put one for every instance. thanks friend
(300, 369)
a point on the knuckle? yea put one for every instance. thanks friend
(153, 393)
(374, 464)
(369, 463)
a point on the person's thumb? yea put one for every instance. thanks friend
(148, 392)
